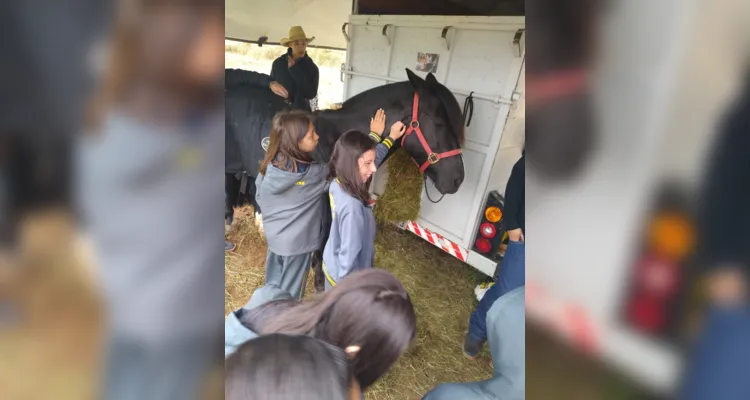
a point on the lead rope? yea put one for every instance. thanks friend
(469, 108)
(428, 193)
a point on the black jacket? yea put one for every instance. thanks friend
(301, 80)
(515, 197)
(724, 212)
(249, 108)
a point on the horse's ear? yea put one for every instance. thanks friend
(432, 80)
(416, 81)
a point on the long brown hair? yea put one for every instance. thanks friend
(287, 130)
(369, 308)
(141, 53)
(344, 163)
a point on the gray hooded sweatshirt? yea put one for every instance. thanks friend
(150, 197)
(351, 243)
(235, 333)
(292, 206)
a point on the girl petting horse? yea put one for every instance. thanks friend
(289, 190)
(351, 244)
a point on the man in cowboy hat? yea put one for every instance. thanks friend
(296, 71)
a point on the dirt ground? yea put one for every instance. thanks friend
(51, 342)
(50, 326)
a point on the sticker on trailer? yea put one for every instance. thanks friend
(436, 239)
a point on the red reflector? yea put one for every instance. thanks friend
(657, 277)
(483, 245)
(488, 230)
(646, 313)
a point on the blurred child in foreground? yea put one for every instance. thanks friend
(150, 188)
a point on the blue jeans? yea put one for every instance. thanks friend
(512, 275)
(719, 364)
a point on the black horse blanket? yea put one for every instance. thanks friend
(250, 106)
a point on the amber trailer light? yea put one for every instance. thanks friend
(655, 303)
(493, 214)
(489, 235)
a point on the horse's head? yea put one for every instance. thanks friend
(560, 120)
(439, 122)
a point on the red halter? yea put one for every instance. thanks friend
(432, 158)
(554, 85)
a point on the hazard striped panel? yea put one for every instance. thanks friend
(436, 239)
(567, 319)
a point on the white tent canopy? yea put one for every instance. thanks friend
(248, 20)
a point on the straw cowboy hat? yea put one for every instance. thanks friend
(296, 33)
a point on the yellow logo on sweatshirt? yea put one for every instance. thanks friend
(333, 206)
(189, 158)
(300, 183)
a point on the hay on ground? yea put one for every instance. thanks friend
(440, 286)
(401, 200)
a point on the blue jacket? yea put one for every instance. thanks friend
(506, 335)
(351, 242)
(235, 334)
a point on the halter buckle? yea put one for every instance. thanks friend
(414, 124)
(433, 158)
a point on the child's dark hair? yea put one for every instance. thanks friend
(369, 308)
(283, 367)
(344, 163)
(287, 129)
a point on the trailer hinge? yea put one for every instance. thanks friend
(385, 34)
(517, 41)
(444, 36)
(343, 30)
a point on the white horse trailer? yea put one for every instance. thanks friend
(478, 56)
(658, 93)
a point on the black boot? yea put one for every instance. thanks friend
(472, 346)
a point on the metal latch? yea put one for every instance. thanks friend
(517, 41)
(515, 97)
(344, 70)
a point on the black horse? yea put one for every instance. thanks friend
(439, 116)
(561, 133)
(438, 119)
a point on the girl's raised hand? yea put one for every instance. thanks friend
(377, 123)
(397, 130)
